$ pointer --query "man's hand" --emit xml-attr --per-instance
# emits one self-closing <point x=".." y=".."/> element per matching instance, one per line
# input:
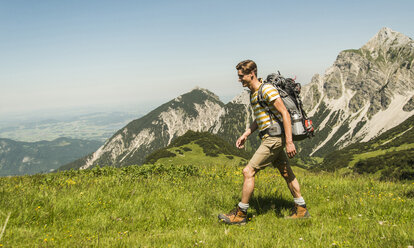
<point x="240" y="141"/>
<point x="290" y="149"/>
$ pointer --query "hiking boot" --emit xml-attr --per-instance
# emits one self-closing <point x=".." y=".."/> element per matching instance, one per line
<point x="235" y="216"/>
<point x="299" y="212"/>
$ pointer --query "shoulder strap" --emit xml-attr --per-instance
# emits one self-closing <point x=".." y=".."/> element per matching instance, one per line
<point x="266" y="107"/>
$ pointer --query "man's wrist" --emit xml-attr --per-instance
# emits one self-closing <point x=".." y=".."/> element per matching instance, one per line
<point x="247" y="132"/>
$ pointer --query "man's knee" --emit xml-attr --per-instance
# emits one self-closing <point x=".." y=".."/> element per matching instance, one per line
<point x="248" y="171"/>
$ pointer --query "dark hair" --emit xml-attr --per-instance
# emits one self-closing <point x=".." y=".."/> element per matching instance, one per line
<point x="247" y="66"/>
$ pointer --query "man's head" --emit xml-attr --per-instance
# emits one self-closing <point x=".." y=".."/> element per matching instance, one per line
<point x="247" y="72"/>
<point x="247" y="67"/>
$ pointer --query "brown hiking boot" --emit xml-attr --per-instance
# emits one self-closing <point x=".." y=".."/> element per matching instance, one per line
<point x="236" y="216"/>
<point x="299" y="212"/>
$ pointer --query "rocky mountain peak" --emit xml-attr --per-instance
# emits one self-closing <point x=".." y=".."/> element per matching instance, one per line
<point x="242" y="98"/>
<point x="364" y="93"/>
<point x="196" y="110"/>
<point x="387" y="38"/>
<point x="206" y="92"/>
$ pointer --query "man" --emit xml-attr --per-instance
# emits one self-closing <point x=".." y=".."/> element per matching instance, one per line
<point x="271" y="151"/>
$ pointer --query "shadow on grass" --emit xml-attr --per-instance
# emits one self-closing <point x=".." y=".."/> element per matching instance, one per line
<point x="277" y="204"/>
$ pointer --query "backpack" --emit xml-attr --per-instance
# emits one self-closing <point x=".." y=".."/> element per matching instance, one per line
<point x="289" y="91"/>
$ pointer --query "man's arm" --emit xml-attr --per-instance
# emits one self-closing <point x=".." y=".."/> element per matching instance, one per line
<point x="287" y="125"/>
<point x="240" y="141"/>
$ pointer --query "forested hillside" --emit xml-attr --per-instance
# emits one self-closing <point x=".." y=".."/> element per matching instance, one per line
<point x="391" y="154"/>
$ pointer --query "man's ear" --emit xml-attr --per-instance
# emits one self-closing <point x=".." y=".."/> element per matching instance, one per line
<point x="252" y="75"/>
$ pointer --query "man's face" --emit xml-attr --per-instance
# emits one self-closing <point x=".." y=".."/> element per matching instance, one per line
<point x="245" y="79"/>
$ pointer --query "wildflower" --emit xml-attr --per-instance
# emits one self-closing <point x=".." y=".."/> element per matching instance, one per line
<point x="300" y="238"/>
<point x="70" y="182"/>
<point x="381" y="222"/>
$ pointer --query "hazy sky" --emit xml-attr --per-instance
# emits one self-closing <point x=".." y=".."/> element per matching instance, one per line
<point x="63" y="54"/>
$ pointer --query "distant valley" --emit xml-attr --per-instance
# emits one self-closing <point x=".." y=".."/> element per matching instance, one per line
<point x="25" y="158"/>
<point x="41" y="145"/>
<point x="96" y="126"/>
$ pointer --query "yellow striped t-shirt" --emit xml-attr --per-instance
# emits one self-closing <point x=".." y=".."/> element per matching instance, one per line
<point x="270" y="94"/>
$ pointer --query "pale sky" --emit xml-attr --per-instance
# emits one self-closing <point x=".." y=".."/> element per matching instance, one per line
<point x="64" y="54"/>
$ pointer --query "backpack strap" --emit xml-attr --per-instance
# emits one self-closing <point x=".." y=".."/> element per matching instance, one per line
<point x="263" y="103"/>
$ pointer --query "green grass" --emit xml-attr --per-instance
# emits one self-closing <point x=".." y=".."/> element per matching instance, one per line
<point x="376" y="153"/>
<point x="196" y="157"/>
<point x="177" y="206"/>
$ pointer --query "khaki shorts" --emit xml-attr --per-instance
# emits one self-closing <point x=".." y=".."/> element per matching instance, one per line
<point x="270" y="152"/>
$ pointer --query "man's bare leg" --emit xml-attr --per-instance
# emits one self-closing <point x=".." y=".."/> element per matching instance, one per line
<point x="300" y="210"/>
<point x="291" y="180"/>
<point x="239" y="214"/>
<point x="248" y="185"/>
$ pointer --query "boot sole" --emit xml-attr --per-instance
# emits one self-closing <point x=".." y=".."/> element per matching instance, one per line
<point x="226" y="220"/>
<point x="304" y="217"/>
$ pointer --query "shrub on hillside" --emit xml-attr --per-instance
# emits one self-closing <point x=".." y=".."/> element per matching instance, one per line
<point x="163" y="153"/>
<point x="187" y="149"/>
<point x="209" y="148"/>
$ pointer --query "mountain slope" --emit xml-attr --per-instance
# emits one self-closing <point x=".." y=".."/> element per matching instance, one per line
<point x="192" y="111"/>
<point x="19" y="158"/>
<point x="366" y="92"/>
<point x="212" y="146"/>
<point x="235" y="118"/>
<point x="391" y="154"/>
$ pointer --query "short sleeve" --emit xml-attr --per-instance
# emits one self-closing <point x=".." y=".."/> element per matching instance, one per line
<point x="270" y="93"/>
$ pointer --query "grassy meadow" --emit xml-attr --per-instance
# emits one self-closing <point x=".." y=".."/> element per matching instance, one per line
<point x="175" y="203"/>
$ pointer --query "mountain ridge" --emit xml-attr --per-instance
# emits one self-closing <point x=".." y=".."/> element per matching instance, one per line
<point x="364" y="93"/>
<point x="190" y="111"/>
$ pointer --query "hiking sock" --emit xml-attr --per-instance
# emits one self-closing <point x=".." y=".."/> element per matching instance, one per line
<point x="243" y="206"/>
<point x="300" y="201"/>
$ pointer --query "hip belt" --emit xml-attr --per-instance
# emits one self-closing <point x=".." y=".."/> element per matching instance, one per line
<point x="269" y="132"/>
